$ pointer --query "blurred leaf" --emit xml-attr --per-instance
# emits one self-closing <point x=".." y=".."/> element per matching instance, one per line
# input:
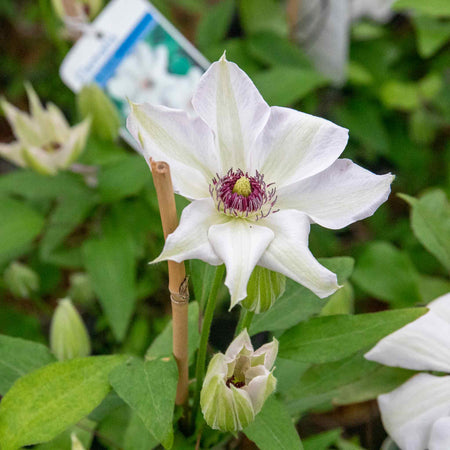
<point x="400" y="95"/>
<point x="18" y="357"/>
<point x="330" y="338"/>
<point x="262" y="15"/>
<point x="111" y="266"/>
<point x="67" y="215"/>
<point x="111" y="428"/>
<point x="162" y="345"/>
<point x="388" y="274"/>
<point x="19" y="324"/>
<point x="350" y="380"/>
<point x="19" y="226"/>
<point x="362" y="31"/>
<point x="430" y="7"/>
<point x="432" y="287"/>
<point x="149" y="387"/>
<point x="341" y="302"/>
<point x="274" y="50"/>
<point x="299" y="303"/>
<point x="137" y="437"/>
<point x="32" y="185"/>
<point x="430" y="86"/>
<point x="432" y="34"/>
<point x="288" y="373"/>
<point x="123" y="178"/>
<point x="284" y="86"/>
<point x="273" y="428"/>
<point x="321" y="441"/>
<point x="430" y="222"/>
<point x="214" y="23"/>
<point x="358" y="74"/>
<point x="202" y="276"/>
<point x="48" y="400"/>
<point x="99" y="152"/>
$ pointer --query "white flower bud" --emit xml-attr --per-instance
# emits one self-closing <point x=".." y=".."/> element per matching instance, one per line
<point x="237" y="384"/>
<point x="81" y="290"/>
<point x="79" y="9"/>
<point x="45" y="141"/>
<point x="21" y="280"/>
<point x="68" y="335"/>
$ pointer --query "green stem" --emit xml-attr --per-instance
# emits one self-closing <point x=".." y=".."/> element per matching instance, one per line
<point x="244" y="320"/>
<point x="201" y="355"/>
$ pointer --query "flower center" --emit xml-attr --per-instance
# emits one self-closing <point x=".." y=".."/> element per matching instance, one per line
<point x="52" y="146"/>
<point x="243" y="187"/>
<point x="240" y="195"/>
<point x="235" y="382"/>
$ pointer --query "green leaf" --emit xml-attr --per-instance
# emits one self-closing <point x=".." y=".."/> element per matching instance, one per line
<point x="111" y="266"/>
<point x="430" y="7"/>
<point x="18" y="357"/>
<point x="400" y="95"/>
<point x="274" y="50"/>
<point x="299" y="303"/>
<point x="45" y="402"/>
<point x="68" y="214"/>
<point x="387" y="274"/>
<point x="162" y="345"/>
<point x="285" y="86"/>
<point x="123" y="178"/>
<point x="19" y="226"/>
<point x="432" y="34"/>
<point x="350" y="380"/>
<point x="262" y="15"/>
<point x="137" y="437"/>
<point x="149" y="387"/>
<point x="331" y="338"/>
<point x="322" y="441"/>
<point x="341" y="302"/>
<point x="214" y="24"/>
<point x="273" y="428"/>
<point x="430" y="222"/>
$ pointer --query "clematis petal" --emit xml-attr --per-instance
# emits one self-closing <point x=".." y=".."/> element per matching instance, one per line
<point x="228" y="101"/>
<point x="270" y="351"/>
<point x="185" y="143"/>
<point x="294" y="145"/>
<point x="441" y="307"/>
<point x="13" y="152"/>
<point x="288" y="253"/>
<point x="259" y="388"/>
<point x="409" y="412"/>
<point x="239" y="244"/>
<point x="421" y="345"/>
<point x="337" y="196"/>
<point x="440" y="435"/>
<point x="39" y="160"/>
<point x="190" y="239"/>
<point x="241" y="341"/>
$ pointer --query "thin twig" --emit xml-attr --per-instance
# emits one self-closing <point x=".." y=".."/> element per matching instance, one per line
<point x="178" y="285"/>
<point x="292" y="10"/>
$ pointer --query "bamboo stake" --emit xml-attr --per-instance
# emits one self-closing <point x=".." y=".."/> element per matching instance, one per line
<point x="292" y="10"/>
<point x="178" y="286"/>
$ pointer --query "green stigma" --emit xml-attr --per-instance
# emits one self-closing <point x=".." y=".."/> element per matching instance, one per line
<point x="243" y="187"/>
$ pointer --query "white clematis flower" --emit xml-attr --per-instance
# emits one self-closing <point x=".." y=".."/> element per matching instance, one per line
<point x="143" y="77"/>
<point x="258" y="177"/>
<point x="417" y="414"/>
<point x="238" y="383"/>
<point x="45" y="141"/>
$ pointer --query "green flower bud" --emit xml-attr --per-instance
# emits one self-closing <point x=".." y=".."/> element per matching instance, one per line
<point x="93" y="102"/>
<point x="81" y="290"/>
<point x="263" y="289"/>
<point x="45" y="141"/>
<point x="21" y="280"/>
<point x="68" y="335"/>
<point x="237" y="384"/>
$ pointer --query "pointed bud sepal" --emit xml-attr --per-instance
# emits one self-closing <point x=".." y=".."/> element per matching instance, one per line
<point x="68" y="335"/>
<point x="237" y="384"/>
<point x="20" y="280"/>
